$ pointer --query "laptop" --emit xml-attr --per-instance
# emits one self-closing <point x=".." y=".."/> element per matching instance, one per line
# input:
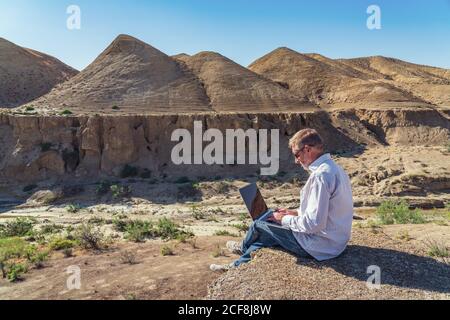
<point x="255" y="203"/>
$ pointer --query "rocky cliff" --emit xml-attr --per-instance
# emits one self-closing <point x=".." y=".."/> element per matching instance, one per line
<point x="36" y="148"/>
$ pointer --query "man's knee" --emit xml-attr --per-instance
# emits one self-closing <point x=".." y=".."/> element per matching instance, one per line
<point x="260" y="225"/>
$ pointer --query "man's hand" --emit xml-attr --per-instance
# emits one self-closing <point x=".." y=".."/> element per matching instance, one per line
<point x="280" y="214"/>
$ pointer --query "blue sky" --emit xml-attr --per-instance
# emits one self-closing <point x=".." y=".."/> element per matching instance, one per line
<point x="244" y="30"/>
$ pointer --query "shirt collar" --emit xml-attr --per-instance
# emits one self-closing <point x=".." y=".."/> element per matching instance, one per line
<point x="316" y="164"/>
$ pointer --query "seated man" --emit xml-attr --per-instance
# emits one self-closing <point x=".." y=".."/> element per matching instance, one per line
<point x="321" y="227"/>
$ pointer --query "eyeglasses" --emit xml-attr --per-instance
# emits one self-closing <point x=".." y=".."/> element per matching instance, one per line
<point x="297" y="154"/>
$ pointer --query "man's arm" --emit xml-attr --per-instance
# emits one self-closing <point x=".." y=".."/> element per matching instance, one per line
<point x="315" y="217"/>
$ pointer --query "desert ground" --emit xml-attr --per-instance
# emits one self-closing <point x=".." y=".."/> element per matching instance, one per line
<point x="131" y="264"/>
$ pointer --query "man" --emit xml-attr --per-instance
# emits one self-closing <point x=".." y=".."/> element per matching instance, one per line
<point x="321" y="227"/>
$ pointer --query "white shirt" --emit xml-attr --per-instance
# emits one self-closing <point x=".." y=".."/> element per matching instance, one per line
<point x="324" y="223"/>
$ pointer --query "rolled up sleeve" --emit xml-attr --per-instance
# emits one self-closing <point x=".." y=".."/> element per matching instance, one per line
<point x="314" y="219"/>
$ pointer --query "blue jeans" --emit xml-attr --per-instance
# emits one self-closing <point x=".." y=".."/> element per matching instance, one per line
<point x="263" y="234"/>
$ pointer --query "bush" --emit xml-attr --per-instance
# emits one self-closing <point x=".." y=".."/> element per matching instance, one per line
<point x="73" y="208"/>
<point x="60" y="243"/>
<point x="66" y="112"/>
<point x="139" y="231"/>
<point x="168" y="230"/>
<point x="51" y="228"/>
<point x="29" y="108"/>
<point x="14" y="272"/>
<point x="128" y="257"/>
<point x="90" y="238"/>
<point x="17" y="228"/>
<point x="120" y="191"/>
<point x="167" y="251"/>
<point x="437" y="249"/>
<point x="398" y="212"/>
<point x="36" y="257"/>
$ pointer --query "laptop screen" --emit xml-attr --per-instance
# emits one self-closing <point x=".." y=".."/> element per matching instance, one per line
<point x="253" y="200"/>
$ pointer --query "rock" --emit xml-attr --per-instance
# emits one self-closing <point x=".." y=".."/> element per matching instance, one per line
<point x="44" y="197"/>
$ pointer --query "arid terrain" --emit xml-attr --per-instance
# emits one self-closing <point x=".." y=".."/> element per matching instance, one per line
<point x="87" y="179"/>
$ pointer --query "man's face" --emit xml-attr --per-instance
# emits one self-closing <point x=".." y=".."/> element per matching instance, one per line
<point x="305" y="155"/>
<point x="300" y="155"/>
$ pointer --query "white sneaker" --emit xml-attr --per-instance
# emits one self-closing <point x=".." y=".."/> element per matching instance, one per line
<point x="235" y="247"/>
<point x="221" y="267"/>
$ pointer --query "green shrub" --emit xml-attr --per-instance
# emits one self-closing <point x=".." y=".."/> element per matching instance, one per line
<point x="115" y="108"/>
<point x="66" y="112"/>
<point x="166" y="251"/>
<point x="139" y="231"/>
<point x="73" y="208"/>
<point x="29" y="108"/>
<point x="51" y="228"/>
<point x="398" y="212"/>
<point x="17" y="228"/>
<point x="36" y="257"/>
<point x="225" y="233"/>
<point x="60" y="243"/>
<point x="14" y="272"/>
<point x="12" y="248"/>
<point x="168" y="229"/>
<point x="120" y="191"/>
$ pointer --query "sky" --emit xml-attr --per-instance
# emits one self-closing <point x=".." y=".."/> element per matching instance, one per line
<point x="243" y="30"/>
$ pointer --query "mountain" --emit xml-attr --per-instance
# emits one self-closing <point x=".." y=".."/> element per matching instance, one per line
<point x="231" y="87"/>
<point x="26" y="74"/>
<point x="130" y="76"/>
<point x="329" y="82"/>
<point x="429" y="83"/>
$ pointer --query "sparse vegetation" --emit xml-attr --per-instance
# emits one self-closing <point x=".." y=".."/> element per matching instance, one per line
<point x="138" y="231"/>
<point x="197" y="214"/>
<point x="437" y="249"/>
<point x="60" y="243"/>
<point x="398" y="212"/>
<point x="15" y="272"/>
<point x="167" y="250"/>
<point x="66" y="112"/>
<point x="225" y="233"/>
<point x="29" y="108"/>
<point x="20" y="227"/>
<point x="115" y="108"/>
<point x="218" y="252"/>
<point x="119" y="191"/>
<point x="128" y="257"/>
<point x="404" y="235"/>
<point x="73" y="208"/>
<point x="242" y="227"/>
<point x="90" y="238"/>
